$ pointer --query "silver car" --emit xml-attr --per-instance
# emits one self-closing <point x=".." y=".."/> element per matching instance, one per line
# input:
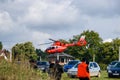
<point x="93" y="68"/>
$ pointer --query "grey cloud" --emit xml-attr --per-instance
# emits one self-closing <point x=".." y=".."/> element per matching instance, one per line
<point x="6" y="1"/>
<point x="103" y="8"/>
<point x="117" y="30"/>
<point x="59" y="18"/>
<point x="16" y="8"/>
<point x="48" y="28"/>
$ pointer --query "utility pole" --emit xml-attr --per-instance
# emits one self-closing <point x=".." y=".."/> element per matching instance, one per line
<point x="57" y="56"/>
<point x="119" y="53"/>
<point x="10" y="57"/>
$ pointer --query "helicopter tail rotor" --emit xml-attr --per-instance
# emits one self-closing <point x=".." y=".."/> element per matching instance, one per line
<point x="82" y="41"/>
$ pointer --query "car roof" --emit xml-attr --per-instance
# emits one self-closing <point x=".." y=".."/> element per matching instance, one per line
<point x="42" y="62"/>
<point x="80" y="62"/>
<point x="74" y="61"/>
<point x="114" y="62"/>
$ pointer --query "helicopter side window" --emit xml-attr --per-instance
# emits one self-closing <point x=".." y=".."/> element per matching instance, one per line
<point x="52" y="47"/>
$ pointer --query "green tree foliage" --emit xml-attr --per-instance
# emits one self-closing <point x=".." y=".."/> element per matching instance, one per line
<point x="24" y="51"/>
<point x="108" y="51"/>
<point x="41" y="55"/>
<point x="105" y="52"/>
<point x="116" y="44"/>
<point x="95" y="50"/>
<point x="93" y="42"/>
<point x="1" y="45"/>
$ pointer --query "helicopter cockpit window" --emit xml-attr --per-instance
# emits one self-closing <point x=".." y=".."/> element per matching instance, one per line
<point x="48" y="48"/>
<point x="52" y="47"/>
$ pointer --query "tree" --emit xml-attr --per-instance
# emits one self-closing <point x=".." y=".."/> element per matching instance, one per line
<point x="1" y="46"/>
<point x="29" y="50"/>
<point x="16" y="52"/>
<point x="116" y="45"/>
<point x="24" y="51"/>
<point x="108" y="51"/>
<point x="41" y="55"/>
<point x="93" y="42"/>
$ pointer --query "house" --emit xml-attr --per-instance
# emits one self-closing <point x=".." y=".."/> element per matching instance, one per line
<point x="3" y="55"/>
<point x="62" y="57"/>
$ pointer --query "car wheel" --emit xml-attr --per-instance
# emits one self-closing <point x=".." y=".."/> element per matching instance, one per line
<point x="44" y="71"/>
<point x="109" y="75"/>
<point x="98" y="74"/>
<point x="70" y="76"/>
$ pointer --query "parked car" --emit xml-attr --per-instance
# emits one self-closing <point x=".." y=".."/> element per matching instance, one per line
<point x="114" y="71"/>
<point x="70" y="64"/>
<point x="93" y="68"/>
<point x="111" y="65"/>
<point x="43" y="65"/>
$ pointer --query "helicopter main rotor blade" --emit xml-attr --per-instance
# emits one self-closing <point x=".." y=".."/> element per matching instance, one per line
<point x="52" y="39"/>
<point x="46" y="43"/>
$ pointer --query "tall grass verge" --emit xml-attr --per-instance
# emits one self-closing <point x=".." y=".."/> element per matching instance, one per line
<point x="21" y="71"/>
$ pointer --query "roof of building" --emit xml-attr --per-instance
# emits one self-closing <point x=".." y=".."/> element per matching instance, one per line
<point x="60" y="54"/>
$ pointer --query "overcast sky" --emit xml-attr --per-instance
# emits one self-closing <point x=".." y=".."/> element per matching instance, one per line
<point x="39" y="20"/>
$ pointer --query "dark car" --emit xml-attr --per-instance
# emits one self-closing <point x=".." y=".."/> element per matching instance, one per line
<point x="111" y="65"/>
<point x="43" y="65"/>
<point x="70" y="64"/>
<point x="114" y="71"/>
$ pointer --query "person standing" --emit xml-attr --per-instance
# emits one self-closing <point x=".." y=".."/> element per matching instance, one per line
<point x="58" y="70"/>
<point x="83" y="70"/>
<point x="51" y="70"/>
<point x="87" y="62"/>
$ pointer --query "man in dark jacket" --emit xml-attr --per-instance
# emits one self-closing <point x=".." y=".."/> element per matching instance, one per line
<point x="58" y="70"/>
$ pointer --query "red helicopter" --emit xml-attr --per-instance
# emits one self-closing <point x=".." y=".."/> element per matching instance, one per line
<point x="59" y="47"/>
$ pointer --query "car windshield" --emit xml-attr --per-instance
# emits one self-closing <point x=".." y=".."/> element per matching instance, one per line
<point x="76" y="65"/>
<point x="72" y="62"/>
<point x="95" y="65"/>
<point x="113" y="63"/>
<point x="117" y="65"/>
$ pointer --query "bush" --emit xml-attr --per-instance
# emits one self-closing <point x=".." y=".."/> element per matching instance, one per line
<point x="103" y="66"/>
<point x="15" y="71"/>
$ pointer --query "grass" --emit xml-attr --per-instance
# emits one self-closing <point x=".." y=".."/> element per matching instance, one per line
<point x="13" y="71"/>
<point x="103" y="77"/>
